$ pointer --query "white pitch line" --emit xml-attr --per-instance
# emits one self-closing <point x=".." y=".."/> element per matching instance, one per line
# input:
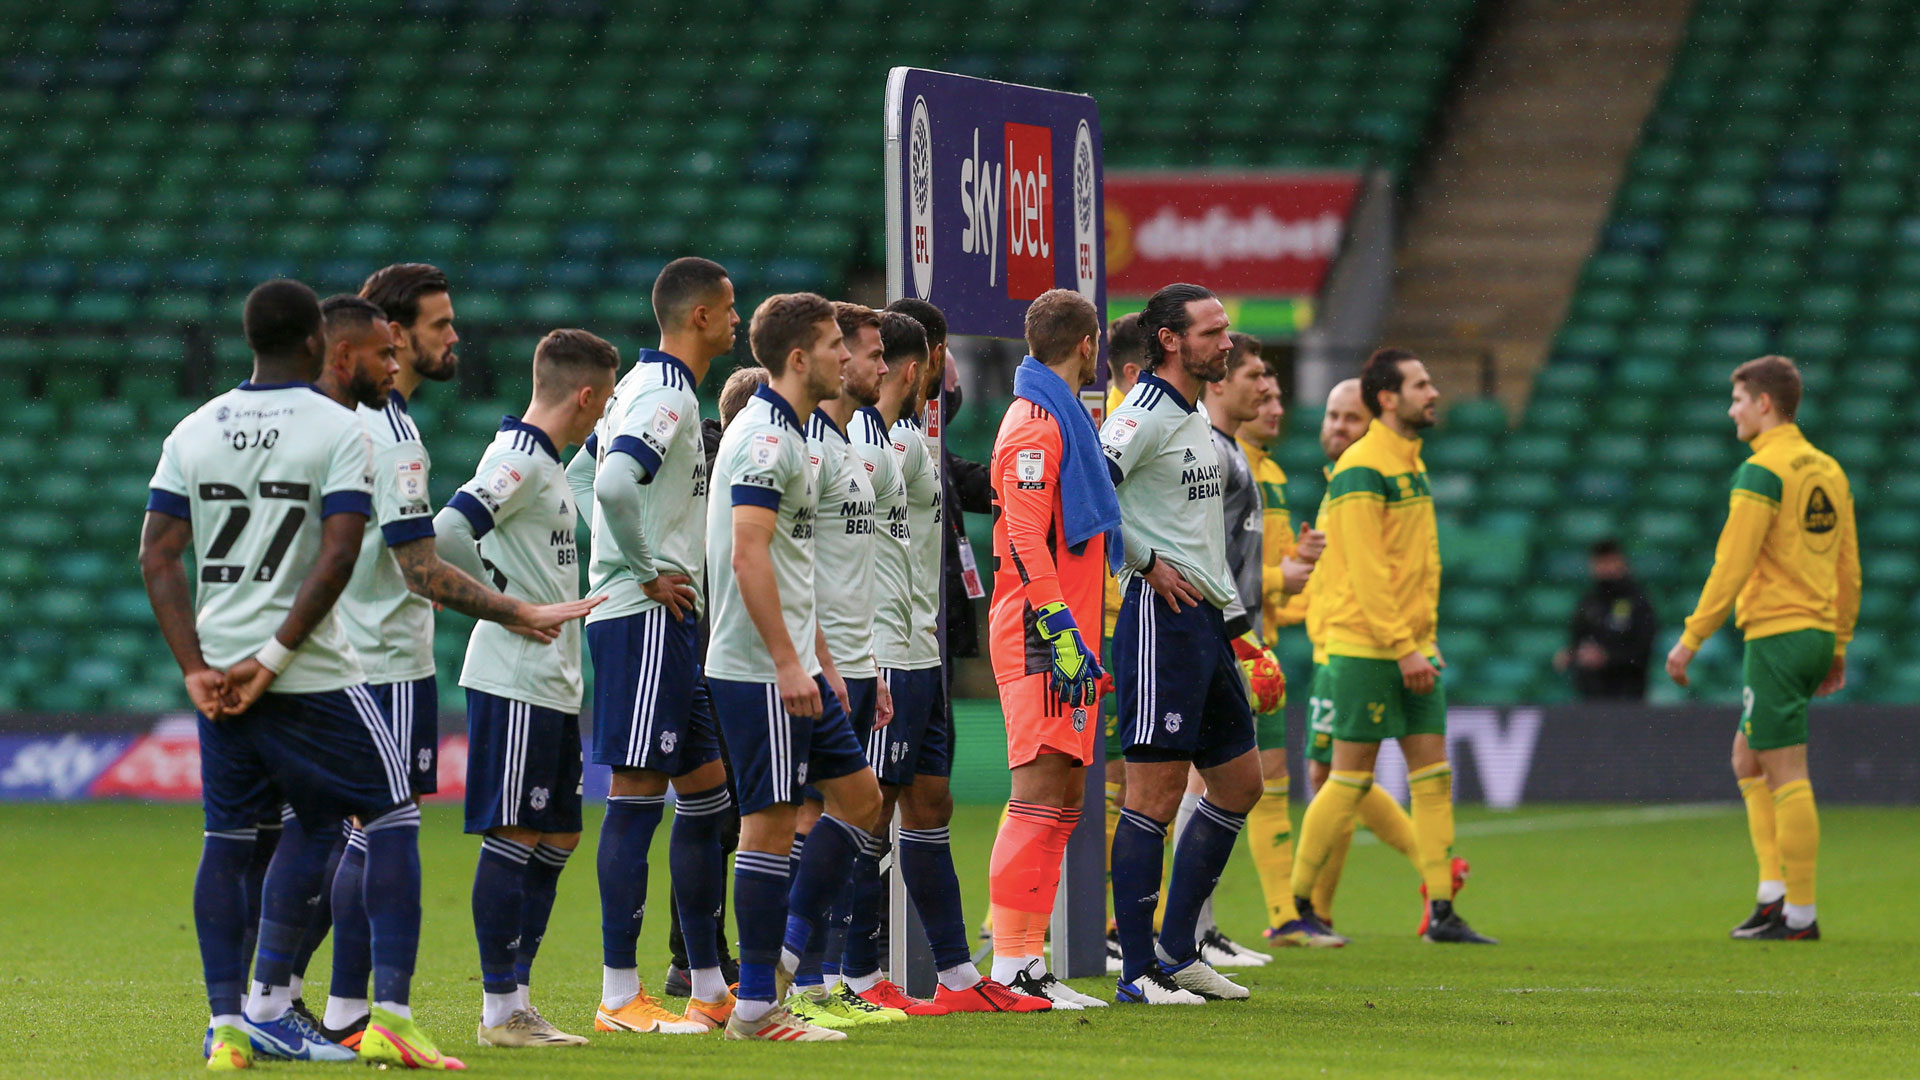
<point x="1635" y="990"/>
<point x="1596" y="819"/>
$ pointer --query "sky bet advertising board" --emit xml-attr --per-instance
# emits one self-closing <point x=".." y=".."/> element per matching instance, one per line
<point x="993" y="197"/>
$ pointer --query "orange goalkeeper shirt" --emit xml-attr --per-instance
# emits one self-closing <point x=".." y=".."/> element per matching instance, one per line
<point x="1032" y="566"/>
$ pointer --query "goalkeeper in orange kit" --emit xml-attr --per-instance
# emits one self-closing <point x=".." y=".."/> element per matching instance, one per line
<point x="1056" y="524"/>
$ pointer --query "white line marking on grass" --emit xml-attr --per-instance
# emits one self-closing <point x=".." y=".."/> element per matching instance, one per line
<point x="1586" y="819"/>
<point x="1636" y="990"/>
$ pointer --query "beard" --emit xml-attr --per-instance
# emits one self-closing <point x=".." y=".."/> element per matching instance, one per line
<point x="1208" y="366"/>
<point x="367" y="390"/>
<point x="1417" y="419"/>
<point x="863" y="396"/>
<point x="821" y="386"/>
<point x="437" y="369"/>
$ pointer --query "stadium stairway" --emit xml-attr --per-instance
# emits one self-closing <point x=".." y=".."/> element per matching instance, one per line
<point x="1546" y="117"/>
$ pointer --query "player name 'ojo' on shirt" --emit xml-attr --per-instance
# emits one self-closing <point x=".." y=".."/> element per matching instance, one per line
<point x="762" y="461"/>
<point x="390" y="626"/>
<point x="654" y="416"/>
<point x="1168" y="478"/>
<point x="256" y="470"/>
<point x="524" y="517"/>
<point x="892" y="601"/>
<point x="844" y="544"/>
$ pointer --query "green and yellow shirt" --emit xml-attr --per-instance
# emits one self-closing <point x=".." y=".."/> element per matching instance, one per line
<point x="1788" y="558"/>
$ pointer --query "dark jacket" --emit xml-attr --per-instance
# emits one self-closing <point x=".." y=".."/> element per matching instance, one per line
<point x="1616" y="616"/>
<point x="965" y="488"/>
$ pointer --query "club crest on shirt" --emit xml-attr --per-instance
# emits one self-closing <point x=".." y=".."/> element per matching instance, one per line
<point x="763" y="447"/>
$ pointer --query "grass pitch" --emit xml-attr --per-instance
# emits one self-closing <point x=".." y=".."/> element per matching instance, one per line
<point x="1615" y="963"/>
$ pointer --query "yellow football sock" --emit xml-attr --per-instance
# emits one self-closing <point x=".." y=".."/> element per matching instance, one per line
<point x="1270" y="837"/>
<point x="1381" y="813"/>
<point x="1797" y="826"/>
<point x="1432" y="789"/>
<point x="1327" y="881"/>
<point x="1766" y="847"/>
<point x="1328" y="816"/>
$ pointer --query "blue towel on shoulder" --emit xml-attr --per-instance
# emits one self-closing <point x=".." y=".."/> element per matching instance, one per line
<point x="1087" y="500"/>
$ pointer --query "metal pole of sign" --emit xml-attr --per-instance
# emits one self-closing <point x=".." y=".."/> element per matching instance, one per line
<point x="1080" y="911"/>
<point x="935" y="174"/>
<point x="910" y="958"/>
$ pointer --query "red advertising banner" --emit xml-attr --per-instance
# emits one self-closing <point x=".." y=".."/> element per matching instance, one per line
<point x="1241" y="234"/>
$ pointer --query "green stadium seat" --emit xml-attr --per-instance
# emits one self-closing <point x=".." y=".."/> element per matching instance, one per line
<point x="1613" y="450"/>
<point x="1582" y="525"/>
<point x="1537" y="452"/>
<point x="1483" y="416"/>
<point x="1559" y="415"/>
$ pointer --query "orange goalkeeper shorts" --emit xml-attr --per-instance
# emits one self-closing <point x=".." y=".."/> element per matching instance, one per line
<point x="1038" y="723"/>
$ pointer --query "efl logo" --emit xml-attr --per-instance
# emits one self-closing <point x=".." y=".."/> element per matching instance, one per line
<point x="1029" y="211"/>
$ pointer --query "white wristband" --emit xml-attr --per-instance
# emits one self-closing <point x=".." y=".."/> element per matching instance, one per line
<point x="274" y="656"/>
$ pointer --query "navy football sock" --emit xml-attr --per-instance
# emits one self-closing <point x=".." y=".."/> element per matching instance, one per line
<point x="320" y="918"/>
<point x="295" y="880"/>
<point x="699" y="866"/>
<point x="621" y="861"/>
<point x="1139" y="846"/>
<point x="220" y="916"/>
<point x="352" y="934"/>
<point x="1199" y="855"/>
<point x="391" y="894"/>
<point x="499" y="892"/>
<point x="860" y="956"/>
<point x="266" y="842"/>
<point x="543" y="884"/>
<point x="760" y="907"/>
<point x="824" y="865"/>
<point x="926" y="865"/>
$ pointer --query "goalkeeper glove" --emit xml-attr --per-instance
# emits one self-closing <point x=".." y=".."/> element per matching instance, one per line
<point x="1266" y="684"/>
<point x="1076" y="673"/>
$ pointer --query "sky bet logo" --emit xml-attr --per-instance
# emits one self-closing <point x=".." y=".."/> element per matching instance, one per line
<point x="1026" y="241"/>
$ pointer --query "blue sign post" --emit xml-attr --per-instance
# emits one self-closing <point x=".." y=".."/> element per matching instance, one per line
<point x="993" y="195"/>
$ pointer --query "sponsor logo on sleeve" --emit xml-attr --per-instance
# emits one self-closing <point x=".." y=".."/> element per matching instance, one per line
<point x="410" y="478"/>
<point x="763" y="447"/>
<point x="1030" y="470"/>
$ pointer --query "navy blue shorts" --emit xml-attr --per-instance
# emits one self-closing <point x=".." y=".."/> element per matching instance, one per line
<point x="650" y="704"/>
<point x="413" y="715"/>
<point x="919" y="741"/>
<point x="328" y="755"/>
<point x="523" y="766"/>
<point x="774" y="754"/>
<point x="1182" y="697"/>
<point x="863" y="694"/>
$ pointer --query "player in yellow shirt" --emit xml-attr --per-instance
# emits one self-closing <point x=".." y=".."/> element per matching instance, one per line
<point x="1382" y="602"/>
<point x="1789" y="561"/>
<point x="1345" y="420"/>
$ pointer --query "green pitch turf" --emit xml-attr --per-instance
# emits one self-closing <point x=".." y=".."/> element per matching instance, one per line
<point x="1615" y="963"/>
